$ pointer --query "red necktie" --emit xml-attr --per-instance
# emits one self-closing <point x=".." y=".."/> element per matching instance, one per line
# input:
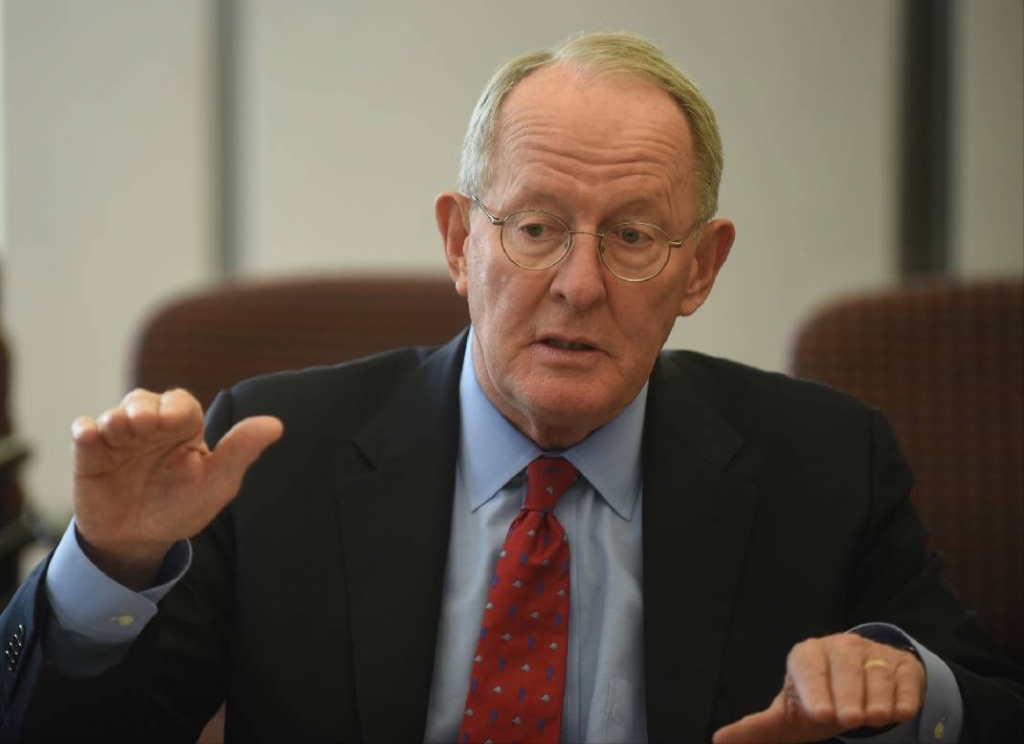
<point x="518" y="676"/>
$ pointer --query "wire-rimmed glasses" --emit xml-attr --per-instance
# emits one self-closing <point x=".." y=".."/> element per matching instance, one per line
<point x="536" y="240"/>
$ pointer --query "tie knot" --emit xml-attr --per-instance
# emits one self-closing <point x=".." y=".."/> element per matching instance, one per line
<point x="547" y="478"/>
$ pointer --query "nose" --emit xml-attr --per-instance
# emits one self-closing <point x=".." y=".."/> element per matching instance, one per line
<point x="579" y="277"/>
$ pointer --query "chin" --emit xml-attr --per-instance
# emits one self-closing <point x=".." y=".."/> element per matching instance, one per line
<point x="568" y="411"/>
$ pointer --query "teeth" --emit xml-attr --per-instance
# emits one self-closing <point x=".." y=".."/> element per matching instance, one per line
<point x="567" y="346"/>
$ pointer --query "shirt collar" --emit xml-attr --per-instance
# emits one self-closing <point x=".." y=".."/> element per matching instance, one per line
<point x="492" y="451"/>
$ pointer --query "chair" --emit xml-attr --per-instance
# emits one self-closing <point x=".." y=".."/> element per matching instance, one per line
<point x="945" y="363"/>
<point x="15" y="534"/>
<point x="213" y="338"/>
<point x="209" y="340"/>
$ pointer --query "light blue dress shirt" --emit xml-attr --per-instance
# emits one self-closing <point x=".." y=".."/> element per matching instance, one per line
<point x="604" y="693"/>
<point x="96" y="618"/>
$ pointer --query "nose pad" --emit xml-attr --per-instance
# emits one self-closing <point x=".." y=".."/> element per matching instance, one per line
<point x="599" y="239"/>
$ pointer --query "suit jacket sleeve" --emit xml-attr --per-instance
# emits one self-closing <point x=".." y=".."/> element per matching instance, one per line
<point x="894" y="583"/>
<point x="166" y="686"/>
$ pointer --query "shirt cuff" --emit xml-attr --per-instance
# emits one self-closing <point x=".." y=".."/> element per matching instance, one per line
<point x="88" y="602"/>
<point x="941" y="716"/>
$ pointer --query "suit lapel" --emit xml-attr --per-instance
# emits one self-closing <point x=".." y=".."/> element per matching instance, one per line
<point x="395" y="523"/>
<point x="696" y="520"/>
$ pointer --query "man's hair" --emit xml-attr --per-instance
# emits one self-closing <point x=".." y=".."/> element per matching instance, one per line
<point x="602" y="53"/>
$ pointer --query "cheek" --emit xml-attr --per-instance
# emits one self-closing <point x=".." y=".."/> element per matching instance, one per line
<point x="647" y="322"/>
<point x="476" y="270"/>
<point x="495" y="286"/>
<point x="487" y="288"/>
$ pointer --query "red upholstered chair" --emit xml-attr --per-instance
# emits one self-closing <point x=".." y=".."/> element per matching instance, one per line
<point x="945" y="363"/>
<point x="216" y="337"/>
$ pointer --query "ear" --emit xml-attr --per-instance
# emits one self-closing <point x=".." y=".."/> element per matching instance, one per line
<point x="716" y="238"/>
<point x="451" y="209"/>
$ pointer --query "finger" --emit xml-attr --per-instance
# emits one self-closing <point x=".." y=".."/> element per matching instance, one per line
<point x="910" y="685"/>
<point x="808" y="670"/>
<point x="84" y="432"/>
<point x="880" y="691"/>
<point x="239" y="449"/>
<point x="86" y="436"/>
<point x="114" y="429"/>
<point x="91" y="454"/>
<point x="846" y="654"/>
<point x="160" y="419"/>
<point x="180" y="414"/>
<point x="141" y="408"/>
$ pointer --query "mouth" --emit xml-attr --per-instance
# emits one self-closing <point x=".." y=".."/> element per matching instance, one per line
<point x="557" y="343"/>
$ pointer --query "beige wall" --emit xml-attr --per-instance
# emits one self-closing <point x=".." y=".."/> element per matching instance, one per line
<point x="352" y="122"/>
<point x="109" y="202"/>
<point x="988" y="126"/>
<point x="350" y="118"/>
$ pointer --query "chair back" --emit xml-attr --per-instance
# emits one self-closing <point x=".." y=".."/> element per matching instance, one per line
<point x="945" y="363"/>
<point x="218" y="336"/>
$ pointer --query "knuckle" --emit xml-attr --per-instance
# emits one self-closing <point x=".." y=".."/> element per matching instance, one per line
<point x="135" y="394"/>
<point x="178" y="397"/>
<point x="105" y="419"/>
<point x="80" y="426"/>
<point x="847" y="642"/>
<point x="905" y="657"/>
<point x="804" y="655"/>
<point x="808" y="645"/>
<point x="909" y="671"/>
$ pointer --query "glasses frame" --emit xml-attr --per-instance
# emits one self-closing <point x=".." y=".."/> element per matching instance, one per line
<point x="500" y="222"/>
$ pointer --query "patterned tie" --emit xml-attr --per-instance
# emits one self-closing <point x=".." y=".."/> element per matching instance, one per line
<point x="518" y="676"/>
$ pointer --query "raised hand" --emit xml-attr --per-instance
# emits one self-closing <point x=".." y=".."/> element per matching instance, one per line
<point x="835" y="684"/>
<point x="144" y="478"/>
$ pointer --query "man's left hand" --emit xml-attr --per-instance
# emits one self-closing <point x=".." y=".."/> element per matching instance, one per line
<point x="835" y="684"/>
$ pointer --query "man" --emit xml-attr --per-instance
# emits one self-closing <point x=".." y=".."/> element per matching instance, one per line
<point x="726" y="531"/>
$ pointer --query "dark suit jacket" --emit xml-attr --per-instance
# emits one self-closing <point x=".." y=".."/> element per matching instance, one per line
<point x="774" y="510"/>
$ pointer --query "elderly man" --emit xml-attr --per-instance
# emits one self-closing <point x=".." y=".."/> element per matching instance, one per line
<point x="547" y="530"/>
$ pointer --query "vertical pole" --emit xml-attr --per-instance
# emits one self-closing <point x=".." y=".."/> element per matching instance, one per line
<point x="225" y="140"/>
<point x="925" y="222"/>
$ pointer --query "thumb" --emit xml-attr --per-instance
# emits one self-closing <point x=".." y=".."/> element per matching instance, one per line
<point x="242" y="445"/>
<point x="756" y="727"/>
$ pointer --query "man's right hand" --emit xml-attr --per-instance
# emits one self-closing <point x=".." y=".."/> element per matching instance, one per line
<point x="144" y="479"/>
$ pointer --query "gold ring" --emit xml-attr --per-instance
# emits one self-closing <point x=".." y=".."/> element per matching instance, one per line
<point x="876" y="663"/>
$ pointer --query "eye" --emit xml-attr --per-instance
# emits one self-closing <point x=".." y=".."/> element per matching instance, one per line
<point x="633" y="235"/>
<point x="531" y="226"/>
<point x="630" y="235"/>
<point x="534" y="230"/>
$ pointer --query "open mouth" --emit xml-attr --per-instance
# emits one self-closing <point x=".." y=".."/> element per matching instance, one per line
<point x="567" y="345"/>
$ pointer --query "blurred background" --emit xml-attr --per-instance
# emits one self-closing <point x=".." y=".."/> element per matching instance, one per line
<point x="151" y="147"/>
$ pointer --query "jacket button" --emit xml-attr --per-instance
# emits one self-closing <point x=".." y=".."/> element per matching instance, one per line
<point x="15" y="645"/>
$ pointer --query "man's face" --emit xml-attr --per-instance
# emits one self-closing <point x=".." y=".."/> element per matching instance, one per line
<point x="560" y="352"/>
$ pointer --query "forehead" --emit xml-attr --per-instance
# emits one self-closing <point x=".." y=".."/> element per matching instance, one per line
<point x="585" y="134"/>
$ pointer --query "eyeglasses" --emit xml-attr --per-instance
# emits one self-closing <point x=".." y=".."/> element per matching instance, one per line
<point x="633" y="251"/>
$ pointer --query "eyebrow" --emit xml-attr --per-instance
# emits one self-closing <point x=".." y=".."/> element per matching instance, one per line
<point x="638" y="208"/>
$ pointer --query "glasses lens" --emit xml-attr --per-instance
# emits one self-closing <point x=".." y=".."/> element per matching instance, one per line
<point x="635" y="250"/>
<point x="534" y="240"/>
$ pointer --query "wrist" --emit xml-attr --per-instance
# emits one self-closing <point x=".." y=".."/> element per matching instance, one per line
<point x="132" y="565"/>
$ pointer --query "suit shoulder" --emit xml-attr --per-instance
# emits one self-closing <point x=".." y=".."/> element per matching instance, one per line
<point x="738" y="387"/>
<point x="318" y="396"/>
<point x="785" y="419"/>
